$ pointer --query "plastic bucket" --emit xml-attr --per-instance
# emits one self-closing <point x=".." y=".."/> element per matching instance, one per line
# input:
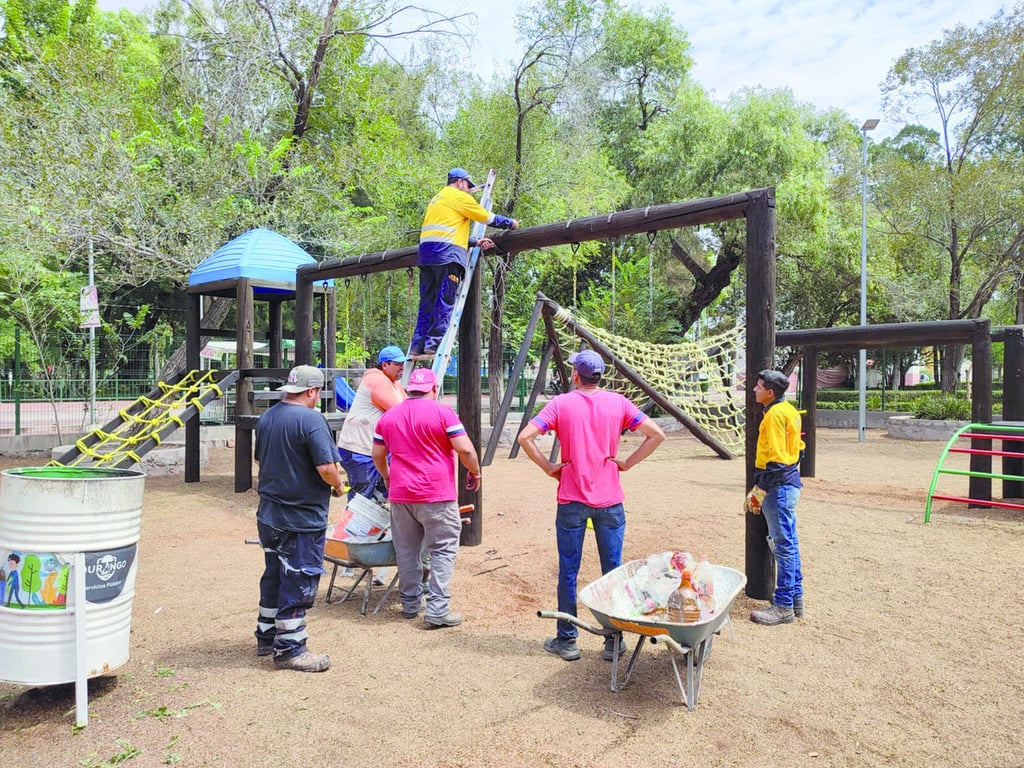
<point x="48" y="517"/>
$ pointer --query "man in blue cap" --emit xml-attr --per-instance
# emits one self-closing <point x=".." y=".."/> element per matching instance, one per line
<point x="443" y="256"/>
<point x="379" y="389"/>
<point x="589" y="421"/>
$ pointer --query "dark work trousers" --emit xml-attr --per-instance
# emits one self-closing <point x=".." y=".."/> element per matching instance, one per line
<point x="439" y="287"/>
<point x="294" y="562"/>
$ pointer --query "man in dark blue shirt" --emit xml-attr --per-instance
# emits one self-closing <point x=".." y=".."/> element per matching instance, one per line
<point x="298" y="474"/>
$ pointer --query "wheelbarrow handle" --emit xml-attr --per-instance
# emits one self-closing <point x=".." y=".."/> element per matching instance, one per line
<point x="594" y="629"/>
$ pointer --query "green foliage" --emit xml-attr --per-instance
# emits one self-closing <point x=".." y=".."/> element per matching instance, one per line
<point x="128" y="752"/>
<point x="941" y="407"/>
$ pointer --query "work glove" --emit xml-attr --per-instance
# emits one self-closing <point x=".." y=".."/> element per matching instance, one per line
<point x="752" y="502"/>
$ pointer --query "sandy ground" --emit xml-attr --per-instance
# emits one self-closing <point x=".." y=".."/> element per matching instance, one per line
<point x="911" y="652"/>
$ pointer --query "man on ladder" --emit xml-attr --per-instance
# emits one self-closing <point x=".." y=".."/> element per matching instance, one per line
<point x="444" y="256"/>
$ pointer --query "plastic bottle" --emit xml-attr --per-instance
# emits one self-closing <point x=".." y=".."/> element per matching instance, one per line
<point x="704" y="586"/>
<point x="683" y="607"/>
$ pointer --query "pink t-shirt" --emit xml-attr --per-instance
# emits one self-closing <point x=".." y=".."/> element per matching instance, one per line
<point x="417" y="432"/>
<point x="588" y="427"/>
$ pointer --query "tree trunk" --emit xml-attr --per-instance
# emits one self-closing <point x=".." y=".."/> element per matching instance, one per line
<point x="218" y="310"/>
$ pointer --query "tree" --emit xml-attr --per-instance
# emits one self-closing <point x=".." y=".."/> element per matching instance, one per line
<point x="956" y="190"/>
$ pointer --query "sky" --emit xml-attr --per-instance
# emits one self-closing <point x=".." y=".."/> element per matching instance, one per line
<point x="830" y="53"/>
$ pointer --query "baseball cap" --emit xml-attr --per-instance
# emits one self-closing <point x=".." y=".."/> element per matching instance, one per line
<point x="301" y="378"/>
<point x="588" y="363"/>
<point x="459" y="173"/>
<point x="391" y="354"/>
<point x="421" y="380"/>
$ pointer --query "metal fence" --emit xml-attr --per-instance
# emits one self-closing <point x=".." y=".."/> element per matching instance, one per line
<point x="52" y="392"/>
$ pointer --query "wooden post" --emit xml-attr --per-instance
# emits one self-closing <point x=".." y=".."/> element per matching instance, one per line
<point x="192" y="352"/>
<point x="760" y="295"/>
<point x="469" y="404"/>
<point x="538" y="388"/>
<point x="303" y="317"/>
<point x="1013" y="407"/>
<point x="244" y="301"/>
<point x="809" y="387"/>
<point x="981" y="408"/>
<point x="276" y="334"/>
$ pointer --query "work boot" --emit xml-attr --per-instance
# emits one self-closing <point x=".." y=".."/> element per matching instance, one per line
<point x="451" y="620"/>
<point x="776" y="614"/>
<point x="304" y="662"/>
<point x="264" y="647"/>
<point x="798" y="607"/>
<point x="608" y="654"/>
<point x="563" y="646"/>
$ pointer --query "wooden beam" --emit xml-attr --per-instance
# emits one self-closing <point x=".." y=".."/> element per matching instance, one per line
<point x="881" y="335"/>
<point x="653" y="218"/>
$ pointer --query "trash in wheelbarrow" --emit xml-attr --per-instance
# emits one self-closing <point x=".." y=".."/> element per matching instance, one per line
<point x="618" y="601"/>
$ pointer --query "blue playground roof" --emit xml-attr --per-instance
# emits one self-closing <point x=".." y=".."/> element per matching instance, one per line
<point x="259" y="255"/>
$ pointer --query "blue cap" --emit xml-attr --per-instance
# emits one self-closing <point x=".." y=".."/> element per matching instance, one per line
<point x="459" y="173"/>
<point x="391" y="354"/>
<point x="589" y="364"/>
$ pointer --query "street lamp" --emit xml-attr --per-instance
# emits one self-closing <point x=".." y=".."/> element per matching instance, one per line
<point x="869" y="125"/>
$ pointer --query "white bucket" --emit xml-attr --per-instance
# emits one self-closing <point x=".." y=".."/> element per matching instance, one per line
<point x="49" y="516"/>
<point x="364" y="518"/>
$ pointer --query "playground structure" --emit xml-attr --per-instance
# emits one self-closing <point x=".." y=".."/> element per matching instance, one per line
<point x="979" y="335"/>
<point x="756" y="207"/>
<point x="276" y="283"/>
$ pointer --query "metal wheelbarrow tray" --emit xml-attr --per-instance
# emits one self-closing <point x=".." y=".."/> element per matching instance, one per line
<point x="611" y="599"/>
<point x="363" y="554"/>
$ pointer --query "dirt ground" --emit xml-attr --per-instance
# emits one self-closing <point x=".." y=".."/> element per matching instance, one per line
<point x="911" y="652"/>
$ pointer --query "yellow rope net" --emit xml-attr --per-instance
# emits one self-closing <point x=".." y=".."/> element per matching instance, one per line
<point x="98" y="447"/>
<point x="698" y="378"/>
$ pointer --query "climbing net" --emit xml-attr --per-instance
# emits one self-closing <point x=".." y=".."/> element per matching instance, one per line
<point x="698" y="378"/>
<point x="146" y="420"/>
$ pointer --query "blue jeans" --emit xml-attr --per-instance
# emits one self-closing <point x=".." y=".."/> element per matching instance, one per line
<point x="293" y="563"/>
<point x="439" y="288"/>
<point x="363" y="477"/>
<point x="570" y="529"/>
<point x="779" y="508"/>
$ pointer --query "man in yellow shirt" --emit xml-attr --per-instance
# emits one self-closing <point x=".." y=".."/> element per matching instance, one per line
<point x="777" y="480"/>
<point x="443" y="256"/>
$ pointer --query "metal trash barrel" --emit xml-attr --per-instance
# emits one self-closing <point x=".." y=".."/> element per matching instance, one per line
<point x="49" y="517"/>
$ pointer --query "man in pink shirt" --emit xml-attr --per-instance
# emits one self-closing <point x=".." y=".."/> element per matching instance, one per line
<point x="424" y="437"/>
<point x="589" y="421"/>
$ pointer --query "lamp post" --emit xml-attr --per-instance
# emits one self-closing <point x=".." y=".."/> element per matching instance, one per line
<point x="869" y="125"/>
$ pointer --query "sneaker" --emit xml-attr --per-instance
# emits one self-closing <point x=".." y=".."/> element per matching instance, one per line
<point x="776" y="614"/>
<point x="608" y="654"/>
<point x="305" y="662"/>
<point x="264" y="648"/>
<point x="451" y="620"/>
<point x="798" y="607"/>
<point x="563" y="646"/>
<point x="410" y="614"/>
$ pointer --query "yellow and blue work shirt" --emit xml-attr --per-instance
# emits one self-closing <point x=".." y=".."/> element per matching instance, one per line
<point x="444" y="236"/>
<point x="779" y="445"/>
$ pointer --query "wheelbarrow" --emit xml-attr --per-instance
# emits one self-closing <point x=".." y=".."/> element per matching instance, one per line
<point x="615" y="601"/>
<point x="362" y="554"/>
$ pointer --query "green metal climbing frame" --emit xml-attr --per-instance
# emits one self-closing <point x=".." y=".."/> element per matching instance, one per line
<point x="989" y="432"/>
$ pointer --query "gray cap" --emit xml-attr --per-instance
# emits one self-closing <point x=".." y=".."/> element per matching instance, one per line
<point x="301" y="378"/>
